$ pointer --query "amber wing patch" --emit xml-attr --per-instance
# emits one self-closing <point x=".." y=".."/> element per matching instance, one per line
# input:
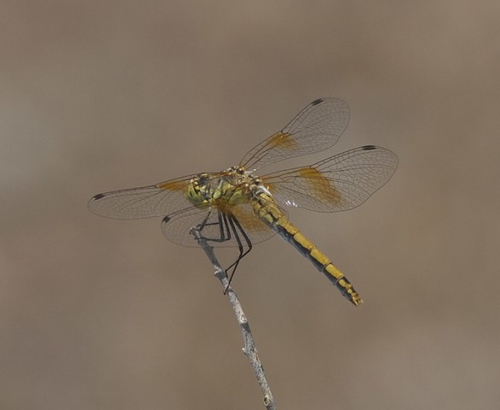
<point x="319" y="185"/>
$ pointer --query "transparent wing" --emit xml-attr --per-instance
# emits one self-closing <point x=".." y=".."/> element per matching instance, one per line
<point x="338" y="183"/>
<point x="167" y="199"/>
<point x="316" y="128"/>
<point x="177" y="226"/>
<point x="144" y="202"/>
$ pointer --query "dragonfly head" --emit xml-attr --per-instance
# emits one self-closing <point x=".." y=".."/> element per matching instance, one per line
<point x="198" y="191"/>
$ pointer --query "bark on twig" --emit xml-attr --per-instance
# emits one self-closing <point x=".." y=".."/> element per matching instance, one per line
<point x="249" y="349"/>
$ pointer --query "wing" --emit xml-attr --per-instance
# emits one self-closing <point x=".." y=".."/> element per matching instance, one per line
<point x="167" y="199"/>
<point x="316" y="128"/>
<point x="144" y="202"/>
<point x="338" y="183"/>
<point x="177" y="226"/>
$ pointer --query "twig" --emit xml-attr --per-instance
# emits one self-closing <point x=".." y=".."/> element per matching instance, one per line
<point x="250" y="350"/>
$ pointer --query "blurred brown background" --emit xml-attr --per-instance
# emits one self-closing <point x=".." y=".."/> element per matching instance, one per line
<point x="103" y="314"/>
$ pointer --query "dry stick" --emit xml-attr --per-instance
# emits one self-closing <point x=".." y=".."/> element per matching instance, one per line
<point x="250" y="350"/>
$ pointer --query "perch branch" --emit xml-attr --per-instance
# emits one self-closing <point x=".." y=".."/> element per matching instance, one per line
<point x="250" y="350"/>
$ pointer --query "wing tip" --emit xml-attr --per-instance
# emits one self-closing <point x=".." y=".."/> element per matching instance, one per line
<point x="318" y="101"/>
<point x="97" y="197"/>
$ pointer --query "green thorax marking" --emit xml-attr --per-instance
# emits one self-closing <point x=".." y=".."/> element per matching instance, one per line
<point x="222" y="190"/>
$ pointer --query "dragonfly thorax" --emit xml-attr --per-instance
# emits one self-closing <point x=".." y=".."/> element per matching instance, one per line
<point x="222" y="190"/>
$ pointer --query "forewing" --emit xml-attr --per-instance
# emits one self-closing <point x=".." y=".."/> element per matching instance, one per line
<point x="316" y="128"/>
<point x="339" y="183"/>
<point x="144" y="202"/>
<point x="176" y="227"/>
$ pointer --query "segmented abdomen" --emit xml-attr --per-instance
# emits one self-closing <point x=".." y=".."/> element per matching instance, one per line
<point x="272" y="215"/>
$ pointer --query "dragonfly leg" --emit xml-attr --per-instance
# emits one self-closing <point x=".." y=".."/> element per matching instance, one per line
<point x="229" y="228"/>
<point x="237" y="230"/>
<point x="224" y="231"/>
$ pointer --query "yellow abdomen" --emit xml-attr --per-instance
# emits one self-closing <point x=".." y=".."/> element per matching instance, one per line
<point x="272" y="215"/>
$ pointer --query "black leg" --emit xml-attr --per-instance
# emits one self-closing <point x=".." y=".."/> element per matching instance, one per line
<point x="224" y="231"/>
<point x="237" y="230"/>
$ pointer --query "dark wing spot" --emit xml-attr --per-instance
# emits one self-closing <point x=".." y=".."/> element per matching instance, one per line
<point x="98" y="196"/>
<point x="369" y="147"/>
<point x="318" y="101"/>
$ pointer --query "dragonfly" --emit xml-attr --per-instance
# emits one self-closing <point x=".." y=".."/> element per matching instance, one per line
<point x="237" y="208"/>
